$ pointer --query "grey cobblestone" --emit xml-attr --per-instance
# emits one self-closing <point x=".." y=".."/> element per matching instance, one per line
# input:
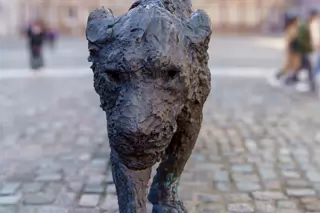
<point x="9" y="188"/>
<point x="6" y="209"/>
<point x="32" y="187"/>
<point x="239" y="197"/>
<point x="89" y="200"/>
<point x="222" y="176"/>
<point x="256" y="151"/>
<point x="248" y="187"/>
<point x="38" y="199"/>
<point x="110" y="203"/>
<point x="286" y="204"/>
<point x="265" y="207"/>
<point x="242" y="168"/>
<point x="49" y="177"/>
<point x="301" y="192"/>
<point x="95" y="188"/>
<point x="240" y="208"/>
<point x="52" y="209"/>
<point x="268" y="195"/>
<point x="209" y="198"/>
<point x="10" y="200"/>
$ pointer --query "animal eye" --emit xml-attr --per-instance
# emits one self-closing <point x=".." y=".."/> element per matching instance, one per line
<point x="172" y="73"/>
<point x="114" y="77"/>
<point x="93" y="50"/>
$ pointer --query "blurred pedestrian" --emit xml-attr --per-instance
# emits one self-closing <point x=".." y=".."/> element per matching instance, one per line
<point x="292" y="61"/>
<point x="36" y="37"/>
<point x="308" y="42"/>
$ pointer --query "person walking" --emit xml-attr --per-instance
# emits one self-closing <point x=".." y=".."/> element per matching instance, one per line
<point x="36" y="37"/>
<point x="308" y="41"/>
<point x="292" y="61"/>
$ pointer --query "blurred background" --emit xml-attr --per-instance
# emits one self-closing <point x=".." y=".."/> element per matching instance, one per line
<point x="69" y="17"/>
<point x="258" y="147"/>
<point x="255" y="24"/>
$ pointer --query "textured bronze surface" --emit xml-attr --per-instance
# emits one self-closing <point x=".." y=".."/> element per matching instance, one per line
<point x="150" y="71"/>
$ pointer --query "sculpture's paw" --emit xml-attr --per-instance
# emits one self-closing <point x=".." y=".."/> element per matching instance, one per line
<point x="169" y="208"/>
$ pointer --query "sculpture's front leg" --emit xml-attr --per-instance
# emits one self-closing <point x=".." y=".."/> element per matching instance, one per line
<point x="131" y="186"/>
<point x="164" y="190"/>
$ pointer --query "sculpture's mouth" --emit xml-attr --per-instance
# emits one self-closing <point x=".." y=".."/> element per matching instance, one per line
<point x="141" y="158"/>
<point x="138" y="151"/>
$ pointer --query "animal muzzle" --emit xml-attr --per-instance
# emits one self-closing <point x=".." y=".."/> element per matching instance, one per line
<point x="137" y="147"/>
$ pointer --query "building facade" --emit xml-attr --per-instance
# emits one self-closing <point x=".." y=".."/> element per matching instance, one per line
<point x="70" y="16"/>
<point x="9" y="21"/>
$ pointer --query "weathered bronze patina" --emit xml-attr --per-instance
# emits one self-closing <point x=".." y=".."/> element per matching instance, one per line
<point x="150" y="71"/>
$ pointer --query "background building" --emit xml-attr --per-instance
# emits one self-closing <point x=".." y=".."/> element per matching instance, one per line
<point x="70" y="16"/>
<point x="9" y="17"/>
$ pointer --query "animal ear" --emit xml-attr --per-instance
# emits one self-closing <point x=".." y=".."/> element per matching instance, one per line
<point x="99" y="25"/>
<point x="200" y="26"/>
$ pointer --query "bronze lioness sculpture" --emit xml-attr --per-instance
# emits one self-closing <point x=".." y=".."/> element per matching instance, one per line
<point x="150" y="71"/>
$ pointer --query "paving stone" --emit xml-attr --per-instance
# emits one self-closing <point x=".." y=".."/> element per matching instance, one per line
<point x="248" y="187"/>
<point x="9" y="188"/>
<point x="207" y="198"/>
<point x="32" y="187"/>
<point x="53" y="189"/>
<point x="240" y="208"/>
<point x="223" y="186"/>
<point x="27" y="209"/>
<point x="287" y="166"/>
<point x="38" y="199"/>
<point x="272" y="185"/>
<point x="52" y="209"/>
<point x="211" y="208"/>
<point x="268" y="195"/>
<point x="86" y="210"/>
<point x="265" y="207"/>
<point x="10" y="200"/>
<point x="65" y="199"/>
<point x="268" y="174"/>
<point x="290" y="174"/>
<point x="313" y="176"/>
<point x="89" y="200"/>
<point x="239" y="177"/>
<point x="297" y="183"/>
<point x="75" y="186"/>
<point x="284" y="204"/>
<point x="239" y="197"/>
<point x="94" y="188"/>
<point x="245" y="168"/>
<point x="100" y="163"/>
<point x="111" y="189"/>
<point x="222" y="176"/>
<point x="110" y="203"/>
<point x="96" y="179"/>
<point x="49" y="177"/>
<point x="8" y="209"/>
<point x="22" y="177"/>
<point x="301" y="192"/>
<point x="312" y="207"/>
<point x="110" y="178"/>
<point x="306" y="200"/>
<point x="289" y="211"/>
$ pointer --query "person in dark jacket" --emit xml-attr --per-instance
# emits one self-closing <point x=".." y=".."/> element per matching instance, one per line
<point x="36" y="37"/>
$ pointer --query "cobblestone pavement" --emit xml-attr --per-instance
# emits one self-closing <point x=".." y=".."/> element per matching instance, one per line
<point x="257" y="151"/>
